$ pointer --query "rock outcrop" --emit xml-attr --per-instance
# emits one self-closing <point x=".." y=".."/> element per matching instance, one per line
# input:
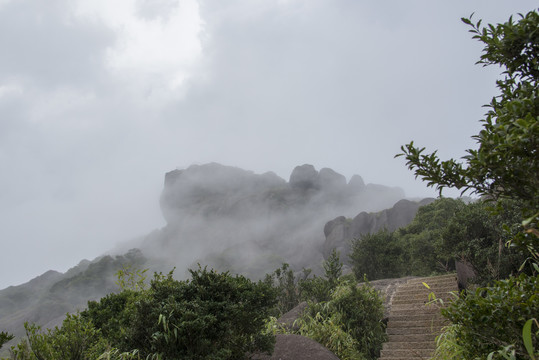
<point x="233" y="219"/>
<point x="340" y="231"/>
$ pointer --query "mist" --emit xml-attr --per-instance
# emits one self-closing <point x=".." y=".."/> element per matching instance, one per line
<point x="236" y="220"/>
<point x="99" y="100"/>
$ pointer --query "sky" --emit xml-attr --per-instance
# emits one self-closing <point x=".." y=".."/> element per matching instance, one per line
<point x="99" y="99"/>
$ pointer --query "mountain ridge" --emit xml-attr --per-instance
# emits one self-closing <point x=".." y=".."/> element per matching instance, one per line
<point x="224" y="217"/>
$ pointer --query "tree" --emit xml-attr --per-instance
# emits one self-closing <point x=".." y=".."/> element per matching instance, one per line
<point x="333" y="267"/>
<point x="377" y="256"/>
<point x="283" y="281"/>
<point x="212" y="315"/>
<point x="506" y="164"/>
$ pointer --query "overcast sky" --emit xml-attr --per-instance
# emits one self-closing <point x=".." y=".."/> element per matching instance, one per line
<point x="99" y="98"/>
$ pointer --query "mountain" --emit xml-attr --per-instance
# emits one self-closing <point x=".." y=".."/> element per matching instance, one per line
<point x="229" y="219"/>
<point x="233" y="219"/>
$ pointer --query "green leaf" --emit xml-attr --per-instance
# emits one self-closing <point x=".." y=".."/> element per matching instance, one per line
<point x="527" y="337"/>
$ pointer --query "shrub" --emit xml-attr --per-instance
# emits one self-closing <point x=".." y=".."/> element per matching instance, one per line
<point x="214" y="315"/>
<point x="353" y="310"/>
<point x="490" y="319"/>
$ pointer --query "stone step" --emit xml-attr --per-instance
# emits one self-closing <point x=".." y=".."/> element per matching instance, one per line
<point x="418" y="290"/>
<point x="414" y="323"/>
<point x="424" y="298"/>
<point x="415" y="310"/>
<point x="416" y="307"/>
<point x="410" y="345"/>
<point x="411" y="337"/>
<point x="399" y="324"/>
<point x="426" y="292"/>
<point x="431" y="285"/>
<point x="403" y="353"/>
<point x="425" y="330"/>
<point x="433" y="278"/>
<point x="422" y="316"/>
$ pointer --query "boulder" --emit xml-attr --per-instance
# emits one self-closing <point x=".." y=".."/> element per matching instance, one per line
<point x="330" y="180"/>
<point x="304" y="177"/>
<point x="290" y="317"/>
<point x="356" y="184"/>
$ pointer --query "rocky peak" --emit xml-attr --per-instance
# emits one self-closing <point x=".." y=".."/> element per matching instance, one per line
<point x="304" y="177"/>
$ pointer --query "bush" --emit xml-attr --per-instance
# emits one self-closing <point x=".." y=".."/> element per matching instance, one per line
<point x="377" y="256"/>
<point x="350" y="323"/>
<point x="212" y="316"/>
<point x="76" y="339"/>
<point x="284" y="283"/>
<point x="492" y="318"/>
<point x="5" y="337"/>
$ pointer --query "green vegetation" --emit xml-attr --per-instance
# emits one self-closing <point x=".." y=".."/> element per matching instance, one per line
<point x="493" y="317"/>
<point x="441" y="232"/>
<point x="354" y="310"/>
<point x="344" y="316"/>
<point x="499" y="321"/>
<point x="213" y="315"/>
<point x="4" y="338"/>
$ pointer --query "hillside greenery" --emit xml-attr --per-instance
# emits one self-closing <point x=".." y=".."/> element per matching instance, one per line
<point x="211" y="316"/>
<point x="442" y="232"/>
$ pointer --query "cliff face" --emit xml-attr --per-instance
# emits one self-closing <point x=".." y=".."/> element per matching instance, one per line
<point x="340" y="231"/>
<point x="236" y="220"/>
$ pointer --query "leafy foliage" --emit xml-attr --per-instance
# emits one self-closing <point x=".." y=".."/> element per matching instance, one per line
<point x="212" y="316"/>
<point x="377" y="256"/>
<point x="492" y="318"/>
<point x="342" y="316"/>
<point x="333" y="268"/>
<point x="5" y="337"/>
<point x="507" y="161"/>
<point x="76" y="339"/>
<point x="283" y="281"/>
<point x="441" y="232"/>
<point x="320" y="288"/>
<point x="292" y="289"/>
<point x="349" y="323"/>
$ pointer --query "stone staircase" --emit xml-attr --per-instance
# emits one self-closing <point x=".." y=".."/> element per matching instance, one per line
<point x="413" y="325"/>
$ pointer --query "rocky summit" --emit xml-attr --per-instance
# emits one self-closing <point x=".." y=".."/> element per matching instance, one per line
<point x="237" y="220"/>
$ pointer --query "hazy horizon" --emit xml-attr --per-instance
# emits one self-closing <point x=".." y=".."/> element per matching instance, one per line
<point x="98" y="100"/>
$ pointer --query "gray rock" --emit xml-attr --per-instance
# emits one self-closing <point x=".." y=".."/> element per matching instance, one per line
<point x="340" y="231"/>
<point x="304" y="177"/>
<point x="330" y="180"/>
<point x="356" y="184"/>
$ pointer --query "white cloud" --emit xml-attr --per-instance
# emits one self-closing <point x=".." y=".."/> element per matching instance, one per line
<point x="156" y="52"/>
<point x="9" y="90"/>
